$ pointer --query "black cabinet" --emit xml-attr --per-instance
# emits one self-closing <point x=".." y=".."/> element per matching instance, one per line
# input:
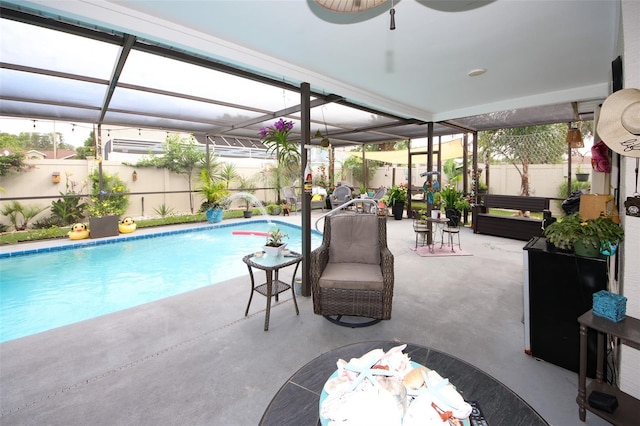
<point x="559" y="288"/>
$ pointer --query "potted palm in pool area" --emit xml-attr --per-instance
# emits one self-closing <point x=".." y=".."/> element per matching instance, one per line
<point x="216" y="195"/>
<point x="247" y="188"/>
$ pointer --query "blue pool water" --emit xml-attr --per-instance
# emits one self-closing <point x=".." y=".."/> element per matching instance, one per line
<point x="42" y="291"/>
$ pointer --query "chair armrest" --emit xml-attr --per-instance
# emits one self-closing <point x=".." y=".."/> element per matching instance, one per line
<point x="387" y="266"/>
<point x="319" y="260"/>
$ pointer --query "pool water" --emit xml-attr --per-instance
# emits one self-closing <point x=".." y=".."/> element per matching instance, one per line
<point x="42" y="291"/>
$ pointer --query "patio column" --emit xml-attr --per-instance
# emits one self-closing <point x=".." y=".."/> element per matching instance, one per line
<point x="305" y="140"/>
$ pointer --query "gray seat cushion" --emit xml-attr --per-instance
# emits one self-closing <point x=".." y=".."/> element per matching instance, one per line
<point x="352" y="276"/>
<point x="354" y="239"/>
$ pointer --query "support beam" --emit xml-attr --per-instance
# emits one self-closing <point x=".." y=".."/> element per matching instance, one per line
<point x="305" y="139"/>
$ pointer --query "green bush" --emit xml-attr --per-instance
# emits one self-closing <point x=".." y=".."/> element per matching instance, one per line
<point x="109" y="200"/>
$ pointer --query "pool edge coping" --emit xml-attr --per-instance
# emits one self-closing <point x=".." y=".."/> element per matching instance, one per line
<point x="75" y="244"/>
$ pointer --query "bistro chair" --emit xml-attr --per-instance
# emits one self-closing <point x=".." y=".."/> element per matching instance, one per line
<point x="451" y="228"/>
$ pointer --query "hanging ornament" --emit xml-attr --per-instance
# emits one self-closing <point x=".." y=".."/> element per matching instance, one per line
<point x="308" y="179"/>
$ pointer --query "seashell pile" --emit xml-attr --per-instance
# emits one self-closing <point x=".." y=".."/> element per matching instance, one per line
<point x="387" y="388"/>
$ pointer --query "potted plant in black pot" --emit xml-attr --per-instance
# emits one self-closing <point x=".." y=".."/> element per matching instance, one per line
<point x="454" y="203"/>
<point x="397" y="197"/>
<point x="247" y="188"/>
<point x="580" y="175"/>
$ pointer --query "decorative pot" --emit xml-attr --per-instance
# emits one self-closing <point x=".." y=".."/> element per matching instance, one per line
<point x="103" y="226"/>
<point x="274" y="251"/>
<point x="453" y="215"/>
<point x="214" y="215"/>
<point x="397" y="209"/>
<point x="586" y="250"/>
<point x="247" y="214"/>
<point x="582" y="177"/>
<point x="608" y="248"/>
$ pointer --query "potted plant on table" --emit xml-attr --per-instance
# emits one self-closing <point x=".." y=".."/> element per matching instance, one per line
<point x="274" y="245"/>
<point x="585" y="237"/>
<point x="106" y="204"/>
<point x="397" y="197"/>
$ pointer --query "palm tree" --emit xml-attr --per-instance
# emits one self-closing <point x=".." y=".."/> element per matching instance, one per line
<point x="228" y="173"/>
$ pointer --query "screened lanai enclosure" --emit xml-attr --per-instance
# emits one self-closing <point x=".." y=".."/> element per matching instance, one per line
<point x="63" y="69"/>
<point x="60" y="68"/>
<point x="219" y="73"/>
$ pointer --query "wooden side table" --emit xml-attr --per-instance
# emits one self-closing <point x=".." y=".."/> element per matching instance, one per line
<point x="628" y="331"/>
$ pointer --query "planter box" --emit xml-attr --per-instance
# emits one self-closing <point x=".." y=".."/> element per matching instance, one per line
<point x="582" y="177"/>
<point x="104" y="226"/>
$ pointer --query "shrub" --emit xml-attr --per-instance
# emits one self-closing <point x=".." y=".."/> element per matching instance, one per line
<point x="109" y="200"/>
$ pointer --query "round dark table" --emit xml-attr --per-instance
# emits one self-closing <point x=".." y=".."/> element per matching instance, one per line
<point x="296" y="403"/>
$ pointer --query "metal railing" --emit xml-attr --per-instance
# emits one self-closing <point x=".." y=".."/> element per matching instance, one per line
<point x="352" y="202"/>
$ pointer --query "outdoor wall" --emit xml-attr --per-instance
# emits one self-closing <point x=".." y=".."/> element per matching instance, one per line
<point x="545" y="180"/>
<point x="37" y="183"/>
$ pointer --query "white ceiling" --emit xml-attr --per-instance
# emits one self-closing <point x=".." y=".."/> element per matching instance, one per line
<point x="536" y="53"/>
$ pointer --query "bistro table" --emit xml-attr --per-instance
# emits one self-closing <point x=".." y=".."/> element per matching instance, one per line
<point x="297" y="401"/>
<point x="434" y="224"/>
<point x="273" y="286"/>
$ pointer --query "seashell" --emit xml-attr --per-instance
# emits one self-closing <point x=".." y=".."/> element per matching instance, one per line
<point x="414" y="378"/>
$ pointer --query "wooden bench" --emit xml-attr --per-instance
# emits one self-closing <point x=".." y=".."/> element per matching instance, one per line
<point x="517" y="227"/>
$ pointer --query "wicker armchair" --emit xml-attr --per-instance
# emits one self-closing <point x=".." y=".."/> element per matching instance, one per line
<point x="340" y="195"/>
<point x="352" y="271"/>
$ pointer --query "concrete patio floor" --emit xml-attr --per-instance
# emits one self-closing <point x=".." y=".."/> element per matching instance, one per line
<point x="195" y="359"/>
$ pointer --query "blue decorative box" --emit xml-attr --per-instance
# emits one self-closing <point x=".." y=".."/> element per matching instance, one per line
<point x="609" y="305"/>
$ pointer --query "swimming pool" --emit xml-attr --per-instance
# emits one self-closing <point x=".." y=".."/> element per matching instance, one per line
<point x="42" y="291"/>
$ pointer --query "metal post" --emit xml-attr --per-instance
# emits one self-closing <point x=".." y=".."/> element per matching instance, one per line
<point x="305" y="139"/>
<point x="430" y="169"/>
<point x="409" y="178"/>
